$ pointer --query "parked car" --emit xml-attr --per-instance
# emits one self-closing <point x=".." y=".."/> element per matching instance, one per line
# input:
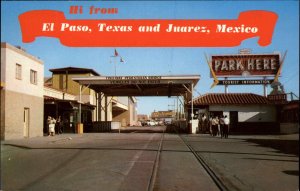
<point x="151" y="123"/>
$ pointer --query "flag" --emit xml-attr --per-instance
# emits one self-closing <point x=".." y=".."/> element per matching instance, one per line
<point x="121" y="60"/>
<point x="116" y="53"/>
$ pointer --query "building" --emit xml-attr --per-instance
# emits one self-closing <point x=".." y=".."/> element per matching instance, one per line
<point x="62" y="80"/>
<point x="163" y="116"/>
<point x="248" y="113"/>
<point x="289" y="117"/>
<point x="95" y="106"/>
<point x="124" y="110"/>
<point x="22" y="83"/>
<point x="142" y="117"/>
<point x="58" y="103"/>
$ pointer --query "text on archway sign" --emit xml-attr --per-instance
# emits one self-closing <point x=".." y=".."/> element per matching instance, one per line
<point x="134" y="79"/>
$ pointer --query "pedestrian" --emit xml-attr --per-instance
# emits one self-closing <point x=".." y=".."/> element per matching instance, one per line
<point x="217" y="126"/>
<point x="58" y="125"/>
<point x="214" y="123"/>
<point x="52" y="126"/>
<point x="48" y="125"/>
<point x="222" y="126"/>
<point x="204" y="123"/>
<point x="199" y="125"/>
<point x="210" y="125"/>
<point x="226" y="126"/>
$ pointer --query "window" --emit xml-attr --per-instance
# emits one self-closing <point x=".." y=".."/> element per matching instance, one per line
<point x="18" y="71"/>
<point x="33" y="77"/>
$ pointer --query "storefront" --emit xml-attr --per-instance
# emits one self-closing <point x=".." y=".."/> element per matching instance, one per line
<point x="68" y="111"/>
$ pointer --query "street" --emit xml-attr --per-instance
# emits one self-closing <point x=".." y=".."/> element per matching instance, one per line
<point x="125" y="161"/>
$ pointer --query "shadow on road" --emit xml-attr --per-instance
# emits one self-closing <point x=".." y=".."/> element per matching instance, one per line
<point x="283" y="146"/>
<point x="291" y="172"/>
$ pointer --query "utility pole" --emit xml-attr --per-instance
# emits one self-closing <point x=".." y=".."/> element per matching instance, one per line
<point x="115" y="63"/>
<point x="173" y="105"/>
<point x="226" y="86"/>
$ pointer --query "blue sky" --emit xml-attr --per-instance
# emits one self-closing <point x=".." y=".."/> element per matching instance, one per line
<point x="160" y="61"/>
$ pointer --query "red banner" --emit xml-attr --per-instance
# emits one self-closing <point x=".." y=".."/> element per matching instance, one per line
<point x="148" y="33"/>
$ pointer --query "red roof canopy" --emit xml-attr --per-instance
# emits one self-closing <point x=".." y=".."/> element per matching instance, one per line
<point x="230" y="99"/>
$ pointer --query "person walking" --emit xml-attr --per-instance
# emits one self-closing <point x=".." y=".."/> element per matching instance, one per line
<point x="226" y="127"/>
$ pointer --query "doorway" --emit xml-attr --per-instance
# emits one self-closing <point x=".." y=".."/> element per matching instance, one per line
<point x="26" y="123"/>
<point x="233" y="120"/>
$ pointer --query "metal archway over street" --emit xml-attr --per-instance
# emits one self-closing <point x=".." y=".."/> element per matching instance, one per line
<point x="171" y="85"/>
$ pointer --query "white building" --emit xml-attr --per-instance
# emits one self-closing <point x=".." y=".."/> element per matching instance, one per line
<point x="22" y="88"/>
<point x="124" y="111"/>
<point x="248" y="113"/>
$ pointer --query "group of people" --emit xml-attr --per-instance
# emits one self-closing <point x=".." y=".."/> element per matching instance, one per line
<point x="216" y="125"/>
<point x="219" y="126"/>
<point x="54" y="125"/>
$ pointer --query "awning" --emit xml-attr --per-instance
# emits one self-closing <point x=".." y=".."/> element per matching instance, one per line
<point x="172" y="85"/>
<point x="68" y="104"/>
<point x="231" y="99"/>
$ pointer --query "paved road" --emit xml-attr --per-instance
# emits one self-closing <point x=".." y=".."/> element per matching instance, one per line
<point x="80" y="162"/>
<point x="112" y="161"/>
<point x="252" y="162"/>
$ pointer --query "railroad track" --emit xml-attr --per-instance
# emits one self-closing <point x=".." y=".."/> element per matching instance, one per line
<point x="202" y="162"/>
<point x="156" y="164"/>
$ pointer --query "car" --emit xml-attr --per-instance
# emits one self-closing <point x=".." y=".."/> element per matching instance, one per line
<point x="151" y="123"/>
